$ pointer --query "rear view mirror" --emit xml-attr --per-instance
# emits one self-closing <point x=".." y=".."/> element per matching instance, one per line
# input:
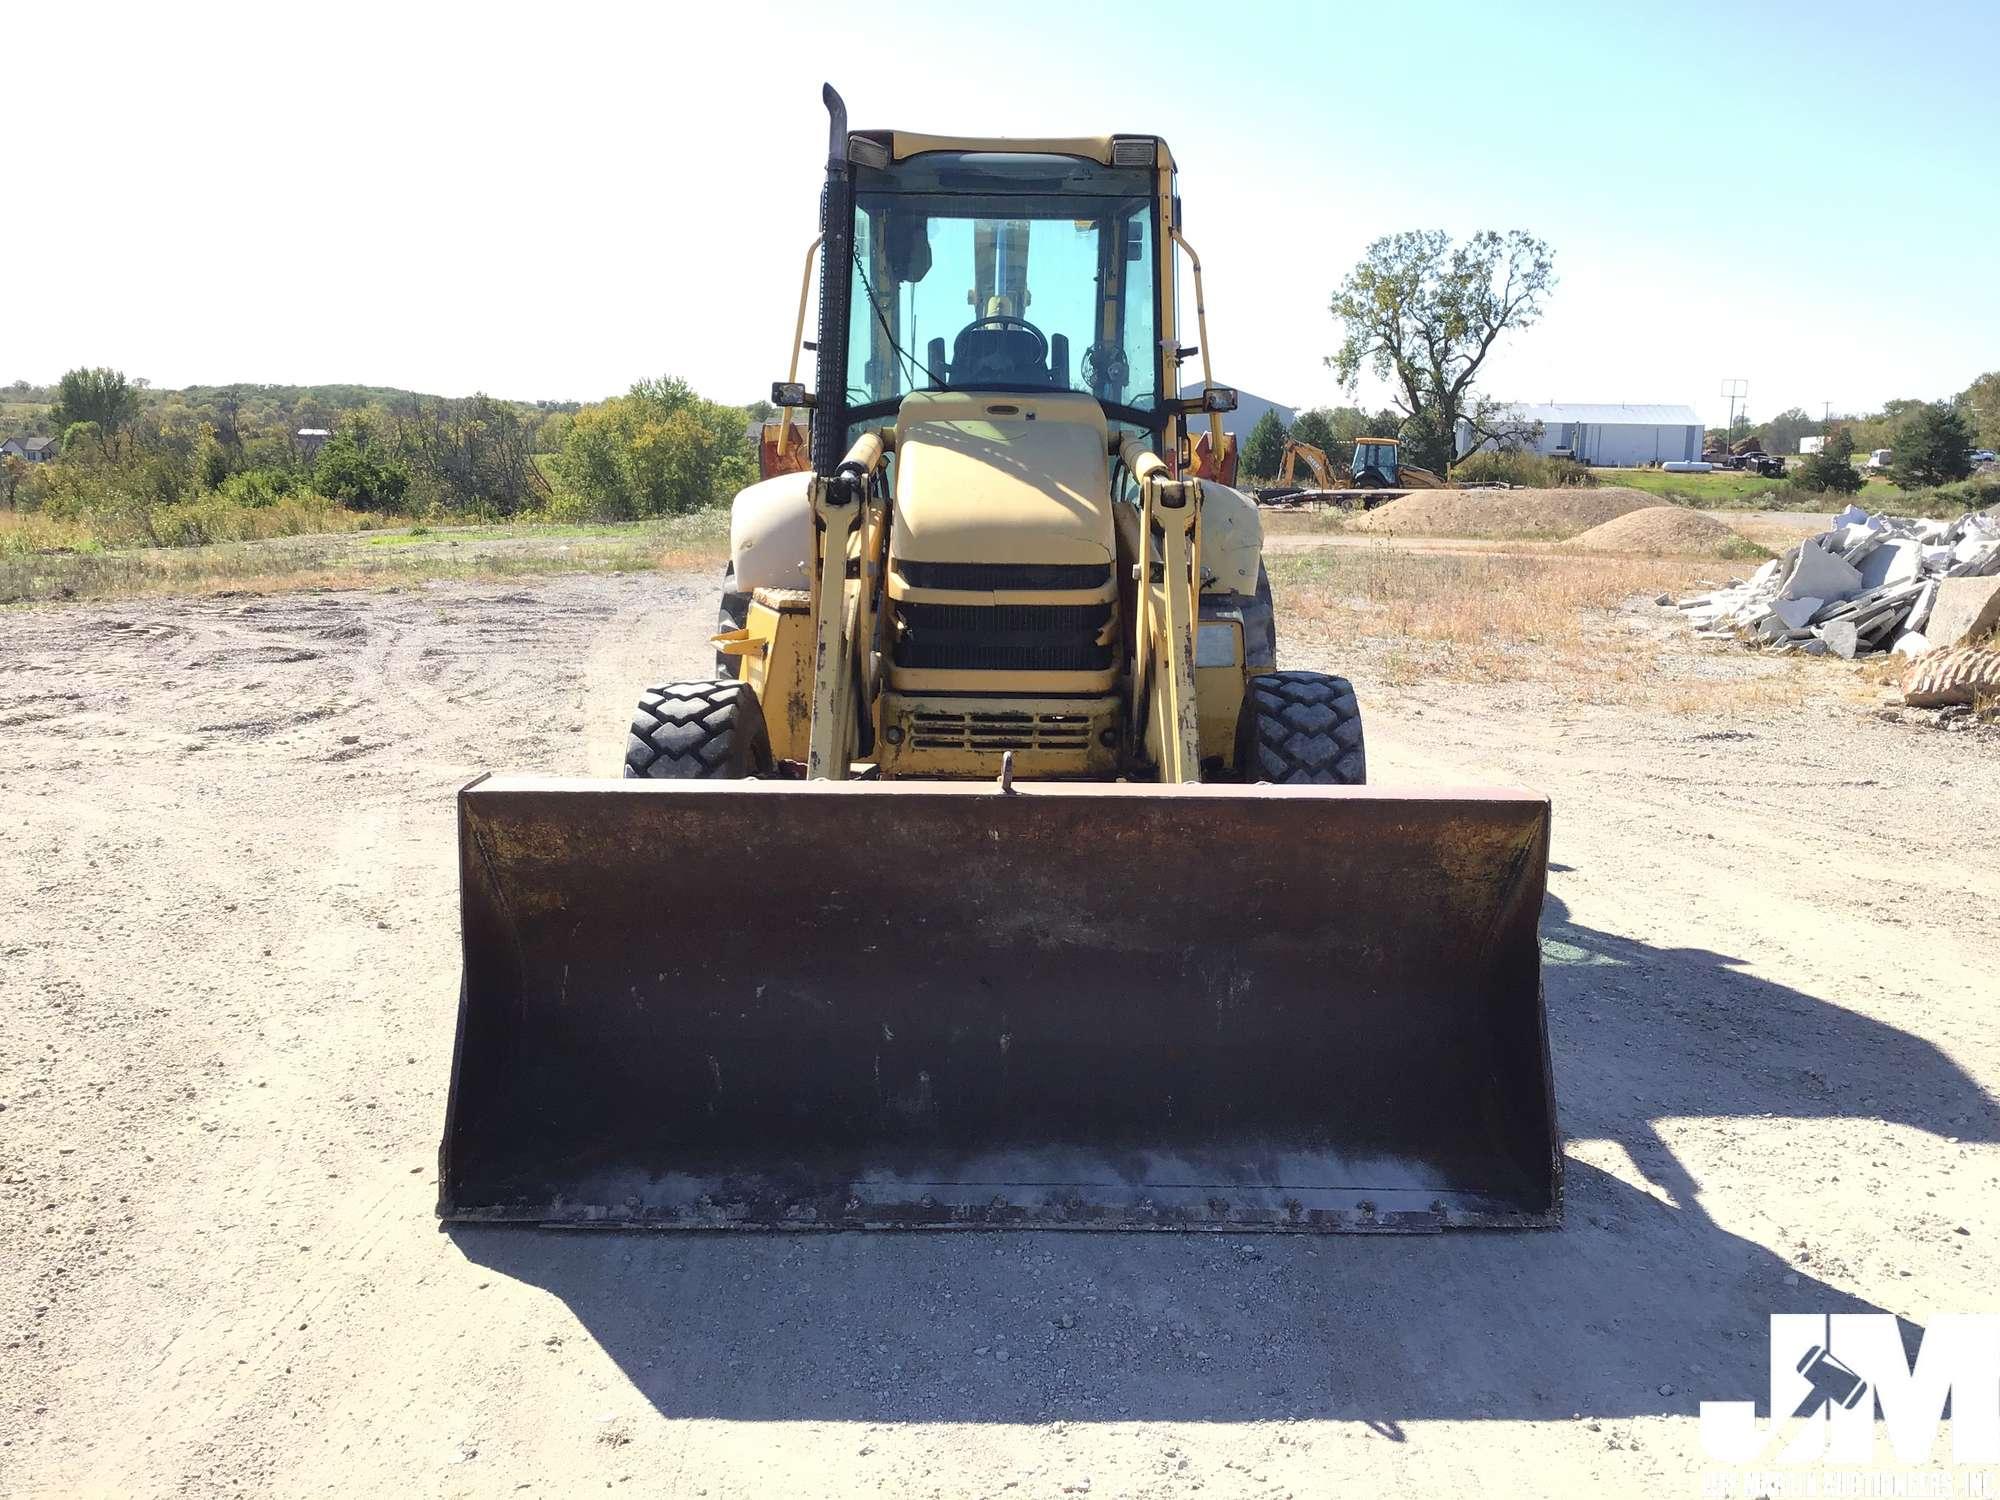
<point x="906" y="246"/>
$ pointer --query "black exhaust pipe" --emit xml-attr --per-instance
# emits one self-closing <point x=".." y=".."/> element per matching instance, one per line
<point x="836" y="257"/>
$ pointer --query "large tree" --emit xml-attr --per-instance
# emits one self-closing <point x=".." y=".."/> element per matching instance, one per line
<point x="1423" y="313"/>
<point x="1981" y="403"/>
<point x="102" y="396"/>
<point x="1264" y="449"/>
<point x="1933" y="445"/>
<point x="1782" y="433"/>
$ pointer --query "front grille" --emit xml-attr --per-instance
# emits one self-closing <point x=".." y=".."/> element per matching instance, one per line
<point x="935" y="730"/>
<point x="1003" y="638"/>
<point x="995" y="577"/>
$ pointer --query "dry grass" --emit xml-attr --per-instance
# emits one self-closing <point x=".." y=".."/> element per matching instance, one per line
<point x="1319" y="520"/>
<point x="1581" y="625"/>
<point x="698" y="542"/>
<point x="1463" y="599"/>
<point x="22" y="533"/>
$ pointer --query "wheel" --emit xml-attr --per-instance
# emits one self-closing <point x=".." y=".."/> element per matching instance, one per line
<point x="734" y="611"/>
<point x="698" y="731"/>
<point x="1301" y="729"/>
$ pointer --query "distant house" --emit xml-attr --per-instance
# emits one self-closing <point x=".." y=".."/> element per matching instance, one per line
<point x="1593" y="433"/>
<point x="36" y="450"/>
<point x="311" y="440"/>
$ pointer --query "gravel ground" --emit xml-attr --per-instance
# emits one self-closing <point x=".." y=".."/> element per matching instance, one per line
<point x="227" y="870"/>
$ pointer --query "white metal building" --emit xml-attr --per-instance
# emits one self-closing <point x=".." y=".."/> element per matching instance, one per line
<point x="1626" y="436"/>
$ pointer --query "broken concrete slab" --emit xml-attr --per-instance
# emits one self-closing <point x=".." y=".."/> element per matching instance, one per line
<point x="1893" y="561"/>
<point x="1818" y="574"/>
<point x="1841" y="638"/>
<point x="1920" y="611"/>
<point x="1797" y="613"/>
<point x="1965" y="610"/>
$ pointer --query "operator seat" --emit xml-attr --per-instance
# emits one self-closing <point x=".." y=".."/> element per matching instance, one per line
<point x="1001" y="350"/>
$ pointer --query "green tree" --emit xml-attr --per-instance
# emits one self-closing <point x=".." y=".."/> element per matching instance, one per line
<point x="1316" y="427"/>
<point x="1423" y="314"/>
<point x="1981" y="403"/>
<point x="659" y="449"/>
<point x="1828" y="473"/>
<point x="468" y="456"/>
<point x="1933" y="445"/>
<point x="82" y="441"/>
<point x="1782" y="433"/>
<point x="1264" y="450"/>
<point x="101" y="396"/>
<point x="1840" y="443"/>
<point x="357" y="471"/>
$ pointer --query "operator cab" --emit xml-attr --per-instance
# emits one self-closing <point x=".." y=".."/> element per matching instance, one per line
<point x="1375" y="462"/>
<point x="1001" y="270"/>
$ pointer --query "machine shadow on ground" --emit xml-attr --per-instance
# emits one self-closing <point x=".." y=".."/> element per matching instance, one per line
<point x="1640" y="1305"/>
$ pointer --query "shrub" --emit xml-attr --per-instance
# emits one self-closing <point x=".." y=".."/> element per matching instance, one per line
<point x="354" y="473"/>
<point x="1538" y="470"/>
<point x="259" y="487"/>
<point x="1824" y="474"/>
<point x="658" y="450"/>
<point x="1933" y="446"/>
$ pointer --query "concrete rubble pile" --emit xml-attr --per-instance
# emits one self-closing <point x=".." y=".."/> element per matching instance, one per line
<point x="1872" y="583"/>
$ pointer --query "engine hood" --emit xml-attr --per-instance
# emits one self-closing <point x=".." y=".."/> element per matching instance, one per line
<point x="1002" y="478"/>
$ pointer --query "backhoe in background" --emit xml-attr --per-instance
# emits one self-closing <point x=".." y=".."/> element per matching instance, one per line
<point x="1002" y="878"/>
<point x="1375" y="468"/>
<point x="1378" y="465"/>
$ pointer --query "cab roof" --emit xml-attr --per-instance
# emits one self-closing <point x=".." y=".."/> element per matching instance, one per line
<point x="1097" y="148"/>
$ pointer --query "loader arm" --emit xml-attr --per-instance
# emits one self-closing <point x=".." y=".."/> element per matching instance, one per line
<point x="1163" y="635"/>
<point x="842" y="619"/>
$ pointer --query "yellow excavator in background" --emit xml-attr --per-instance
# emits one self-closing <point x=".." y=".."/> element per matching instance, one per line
<point x="1005" y="879"/>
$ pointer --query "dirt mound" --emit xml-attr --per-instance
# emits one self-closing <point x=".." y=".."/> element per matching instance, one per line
<point x="1549" y="515"/>
<point x="1662" y="531"/>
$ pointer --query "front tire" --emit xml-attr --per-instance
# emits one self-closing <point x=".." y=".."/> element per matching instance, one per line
<point x="1300" y="729"/>
<point x="709" y="731"/>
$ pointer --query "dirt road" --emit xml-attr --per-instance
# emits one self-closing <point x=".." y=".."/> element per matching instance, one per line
<point x="227" y="874"/>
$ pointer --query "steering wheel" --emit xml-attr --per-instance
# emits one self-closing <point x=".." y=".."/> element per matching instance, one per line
<point x="1003" y="321"/>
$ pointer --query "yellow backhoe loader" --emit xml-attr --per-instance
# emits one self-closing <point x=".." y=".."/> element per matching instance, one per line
<point x="1004" y="879"/>
<point x="1378" y="465"/>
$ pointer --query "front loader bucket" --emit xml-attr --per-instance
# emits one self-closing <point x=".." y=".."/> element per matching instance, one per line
<point x="770" y="1004"/>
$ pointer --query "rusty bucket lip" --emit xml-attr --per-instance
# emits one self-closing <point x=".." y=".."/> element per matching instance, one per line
<point x="511" y="783"/>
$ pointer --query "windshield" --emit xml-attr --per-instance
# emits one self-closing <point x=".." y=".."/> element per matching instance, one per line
<point x="1004" y="291"/>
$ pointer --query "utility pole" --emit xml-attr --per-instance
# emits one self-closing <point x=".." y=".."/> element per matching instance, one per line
<point x="1736" y="390"/>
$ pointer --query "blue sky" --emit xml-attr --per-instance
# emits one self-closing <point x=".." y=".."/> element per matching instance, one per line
<point x="548" y="201"/>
